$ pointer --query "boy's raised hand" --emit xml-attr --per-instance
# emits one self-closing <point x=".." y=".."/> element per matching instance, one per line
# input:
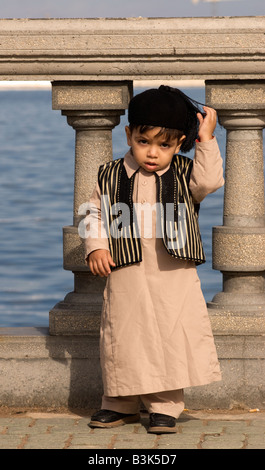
<point x="100" y="262"/>
<point x="207" y="124"/>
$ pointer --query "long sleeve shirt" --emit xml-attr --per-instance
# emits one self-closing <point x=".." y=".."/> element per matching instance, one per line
<point x="206" y="177"/>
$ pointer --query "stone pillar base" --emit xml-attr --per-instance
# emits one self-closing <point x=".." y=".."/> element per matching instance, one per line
<point x="239" y="255"/>
<point x="75" y="315"/>
<point x="68" y="318"/>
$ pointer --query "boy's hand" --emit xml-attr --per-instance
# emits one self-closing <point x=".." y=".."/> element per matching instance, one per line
<point x="100" y="262"/>
<point x="207" y="124"/>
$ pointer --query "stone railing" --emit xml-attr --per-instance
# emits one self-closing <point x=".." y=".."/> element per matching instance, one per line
<point x="131" y="49"/>
<point x="92" y="64"/>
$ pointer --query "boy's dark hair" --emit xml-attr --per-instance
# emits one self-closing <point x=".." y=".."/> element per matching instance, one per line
<point x="168" y="134"/>
<point x="168" y="108"/>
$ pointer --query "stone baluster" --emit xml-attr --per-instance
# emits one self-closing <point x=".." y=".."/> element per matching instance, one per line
<point x="239" y="245"/>
<point x="93" y="109"/>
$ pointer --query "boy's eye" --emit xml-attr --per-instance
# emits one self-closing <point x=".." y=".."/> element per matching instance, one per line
<point x="142" y="141"/>
<point x="165" y="145"/>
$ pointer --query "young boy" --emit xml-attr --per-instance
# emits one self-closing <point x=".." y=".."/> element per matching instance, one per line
<point x="155" y="336"/>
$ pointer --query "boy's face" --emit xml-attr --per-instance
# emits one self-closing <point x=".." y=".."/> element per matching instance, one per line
<point x="152" y="152"/>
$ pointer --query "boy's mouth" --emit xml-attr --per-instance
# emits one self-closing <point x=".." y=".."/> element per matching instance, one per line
<point x="151" y="165"/>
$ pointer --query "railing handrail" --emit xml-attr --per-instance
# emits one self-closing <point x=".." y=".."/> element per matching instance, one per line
<point x="132" y="48"/>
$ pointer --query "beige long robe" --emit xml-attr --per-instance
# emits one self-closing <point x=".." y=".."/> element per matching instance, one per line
<point x="155" y="331"/>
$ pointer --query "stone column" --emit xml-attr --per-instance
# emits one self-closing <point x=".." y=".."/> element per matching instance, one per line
<point x="239" y="245"/>
<point x="93" y="109"/>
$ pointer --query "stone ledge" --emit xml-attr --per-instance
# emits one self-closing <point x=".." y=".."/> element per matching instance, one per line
<point x="33" y="342"/>
<point x="64" y="371"/>
<point x="40" y="370"/>
<point x="30" y="342"/>
<point x="102" y="49"/>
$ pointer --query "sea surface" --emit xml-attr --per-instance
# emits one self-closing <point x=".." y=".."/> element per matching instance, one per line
<point x="36" y="189"/>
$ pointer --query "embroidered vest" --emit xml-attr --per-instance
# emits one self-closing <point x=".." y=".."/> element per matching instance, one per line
<point x="179" y="229"/>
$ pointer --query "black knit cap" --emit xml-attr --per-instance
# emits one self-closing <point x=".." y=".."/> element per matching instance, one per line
<point x="166" y="107"/>
<point x="162" y="107"/>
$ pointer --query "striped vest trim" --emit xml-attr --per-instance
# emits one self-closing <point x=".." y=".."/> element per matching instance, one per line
<point x="172" y="190"/>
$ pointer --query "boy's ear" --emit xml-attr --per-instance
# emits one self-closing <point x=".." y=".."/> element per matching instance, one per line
<point x="182" y="138"/>
<point x="129" y="135"/>
<point x="180" y="142"/>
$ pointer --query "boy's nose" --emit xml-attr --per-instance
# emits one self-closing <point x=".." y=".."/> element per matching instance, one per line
<point x="152" y="151"/>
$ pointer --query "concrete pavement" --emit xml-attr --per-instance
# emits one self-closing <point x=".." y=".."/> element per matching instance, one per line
<point x="196" y="430"/>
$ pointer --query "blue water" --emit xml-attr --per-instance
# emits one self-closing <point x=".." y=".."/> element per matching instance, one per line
<point x="36" y="190"/>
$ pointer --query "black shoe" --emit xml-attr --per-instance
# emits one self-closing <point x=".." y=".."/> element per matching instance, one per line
<point x="160" y="423"/>
<point x="111" y="419"/>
